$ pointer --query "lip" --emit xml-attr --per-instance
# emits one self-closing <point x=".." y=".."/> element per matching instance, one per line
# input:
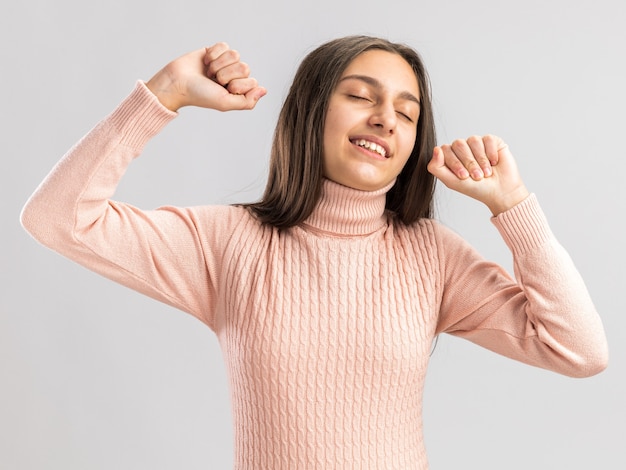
<point x="374" y="139"/>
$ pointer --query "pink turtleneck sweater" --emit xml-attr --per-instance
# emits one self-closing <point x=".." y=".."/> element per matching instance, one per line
<point x="326" y="328"/>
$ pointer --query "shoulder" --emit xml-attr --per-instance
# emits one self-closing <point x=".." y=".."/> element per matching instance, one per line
<point x="219" y="224"/>
<point x="427" y="229"/>
<point x="225" y="216"/>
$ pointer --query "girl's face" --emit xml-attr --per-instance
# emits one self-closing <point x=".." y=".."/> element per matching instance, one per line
<point x="371" y="123"/>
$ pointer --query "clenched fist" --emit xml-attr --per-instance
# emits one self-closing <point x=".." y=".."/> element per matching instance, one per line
<point x="482" y="168"/>
<point x="213" y="77"/>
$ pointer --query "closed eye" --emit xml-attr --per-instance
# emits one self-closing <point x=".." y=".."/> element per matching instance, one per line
<point x="405" y="116"/>
<point x="358" y="97"/>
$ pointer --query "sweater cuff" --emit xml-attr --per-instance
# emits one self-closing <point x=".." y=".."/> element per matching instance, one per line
<point x="140" y="116"/>
<point x="524" y="227"/>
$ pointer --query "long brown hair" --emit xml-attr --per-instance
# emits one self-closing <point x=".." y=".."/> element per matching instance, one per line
<point x="295" y="175"/>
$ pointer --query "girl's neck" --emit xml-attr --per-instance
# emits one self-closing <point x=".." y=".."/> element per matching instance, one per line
<point x="345" y="211"/>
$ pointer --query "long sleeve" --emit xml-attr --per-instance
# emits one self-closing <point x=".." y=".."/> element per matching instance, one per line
<point x="159" y="253"/>
<point x="544" y="318"/>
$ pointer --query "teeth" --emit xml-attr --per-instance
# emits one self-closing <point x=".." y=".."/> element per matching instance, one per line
<point x="371" y="146"/>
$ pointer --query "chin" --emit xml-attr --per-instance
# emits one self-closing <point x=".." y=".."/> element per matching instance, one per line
<point x="359" y="181"/>
<point x="364" y="185"/>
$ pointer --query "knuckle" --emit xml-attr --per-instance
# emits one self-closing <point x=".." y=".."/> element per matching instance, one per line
<point x="214" y="51"/>
<point x="244" y="68"/>
<point x="220" y="77"/>
<point x="236" y="87"/>
<point x="474" y="139"/>
<point x="457" y="144"/>
<point x="210" y="72"/>
<point x="234" y="55"/>
<point x="492" y="140"/>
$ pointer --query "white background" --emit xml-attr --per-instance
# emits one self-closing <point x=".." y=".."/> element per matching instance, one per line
<point x="94" y="376"/>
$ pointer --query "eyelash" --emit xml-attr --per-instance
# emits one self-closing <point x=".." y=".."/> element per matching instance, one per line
<point x="405" y="117"/>
<point x="357" y="97"/>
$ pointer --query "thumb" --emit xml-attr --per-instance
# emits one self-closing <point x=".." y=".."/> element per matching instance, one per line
<point x="254" y="95"/>
<point x="244" y="101"/>
<point x="437" y="165"/>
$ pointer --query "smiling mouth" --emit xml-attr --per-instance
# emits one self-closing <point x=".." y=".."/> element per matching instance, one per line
<point x="371" y="146"/>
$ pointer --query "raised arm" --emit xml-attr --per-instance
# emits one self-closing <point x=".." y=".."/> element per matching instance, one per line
<point x="171" y="254"/>
<point x="545" y="316"/>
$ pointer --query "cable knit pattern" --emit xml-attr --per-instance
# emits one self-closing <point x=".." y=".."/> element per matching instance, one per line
<point x="326" y="327"/>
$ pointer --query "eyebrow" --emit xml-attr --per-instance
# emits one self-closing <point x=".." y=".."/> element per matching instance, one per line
<point x="405" y="95"/>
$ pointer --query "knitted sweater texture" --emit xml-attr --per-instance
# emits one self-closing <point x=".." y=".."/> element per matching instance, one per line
<point x="326" y="327"/>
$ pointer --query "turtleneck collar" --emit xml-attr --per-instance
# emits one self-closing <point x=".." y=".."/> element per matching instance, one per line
<point x="346" y="211"/>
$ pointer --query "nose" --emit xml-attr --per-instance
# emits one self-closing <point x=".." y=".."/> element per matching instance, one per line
<point x="384" y="117"/>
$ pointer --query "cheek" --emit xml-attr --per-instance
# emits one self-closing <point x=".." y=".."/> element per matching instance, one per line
<point x="332" y="137"/>
<point x="332" y="123"/>
<point x="408" y="143"/>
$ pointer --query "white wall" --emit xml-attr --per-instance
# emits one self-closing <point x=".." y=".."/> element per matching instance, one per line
<point x="94" y="376"/>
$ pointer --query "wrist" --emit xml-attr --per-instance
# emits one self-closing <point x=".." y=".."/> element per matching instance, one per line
<point x="504" y="202"/>
<point x="161" y="87"/>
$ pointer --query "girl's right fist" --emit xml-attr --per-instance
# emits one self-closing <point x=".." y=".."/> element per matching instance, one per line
<point x="213" y="77"/>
